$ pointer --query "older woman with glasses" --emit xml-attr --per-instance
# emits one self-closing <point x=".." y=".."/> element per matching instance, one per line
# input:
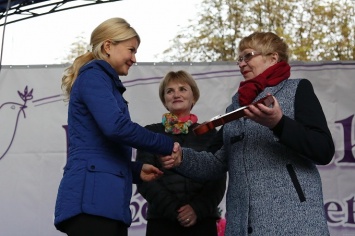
<point x="270" y="154"/>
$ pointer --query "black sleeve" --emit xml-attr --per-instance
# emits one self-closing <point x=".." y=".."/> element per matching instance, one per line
<point x="206" y="201"/>
<point x="216" y="142"/>
<point x="154" y="192"/>
<point x="308" y="134"/>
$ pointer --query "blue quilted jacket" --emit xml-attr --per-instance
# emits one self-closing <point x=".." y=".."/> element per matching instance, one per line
<point x="99" y="172"/>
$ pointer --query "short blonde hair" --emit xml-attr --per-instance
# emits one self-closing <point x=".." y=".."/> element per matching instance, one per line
<point x="266" y="43"/>
<point x="178" y="76"/>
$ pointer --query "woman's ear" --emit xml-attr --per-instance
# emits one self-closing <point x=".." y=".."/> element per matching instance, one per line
<point x="275" y="57"/>
<point x="193" y="103"/>
<point x="107" y="46"/>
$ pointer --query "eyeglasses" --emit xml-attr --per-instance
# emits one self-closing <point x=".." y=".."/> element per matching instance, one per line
<point x="247" y="57"/>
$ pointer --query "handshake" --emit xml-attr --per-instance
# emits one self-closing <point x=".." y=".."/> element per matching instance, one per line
<point x="174" y="159"/>
<point x="150" y="172"/>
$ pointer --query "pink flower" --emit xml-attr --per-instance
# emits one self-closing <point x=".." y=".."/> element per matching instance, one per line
<point x="221" y="226"/>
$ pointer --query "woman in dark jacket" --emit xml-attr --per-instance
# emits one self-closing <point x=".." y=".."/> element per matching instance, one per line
<point x="95" y="191"/>
<point x="179" y="206"/>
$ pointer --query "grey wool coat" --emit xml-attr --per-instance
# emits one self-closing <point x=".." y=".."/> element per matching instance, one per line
<point x="274" y="186"/>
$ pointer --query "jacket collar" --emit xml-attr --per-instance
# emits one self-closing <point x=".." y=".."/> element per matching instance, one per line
<point x="107" y="69"/>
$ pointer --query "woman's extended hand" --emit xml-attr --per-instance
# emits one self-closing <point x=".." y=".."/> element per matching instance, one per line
<point x="150" y="172"/>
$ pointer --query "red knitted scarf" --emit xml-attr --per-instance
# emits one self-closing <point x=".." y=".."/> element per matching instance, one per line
<point x="249" y="89"/>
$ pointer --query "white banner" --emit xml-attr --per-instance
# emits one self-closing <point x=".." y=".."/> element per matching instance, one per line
<point x="33" y="141"/>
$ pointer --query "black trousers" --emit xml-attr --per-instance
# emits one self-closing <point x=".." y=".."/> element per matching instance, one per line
<point x="90" y="225"/>
<point x="163" y="227"/>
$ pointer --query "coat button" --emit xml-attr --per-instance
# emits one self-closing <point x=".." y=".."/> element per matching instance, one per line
<point x="250" y="230"/>
<point x="92" y="167"/>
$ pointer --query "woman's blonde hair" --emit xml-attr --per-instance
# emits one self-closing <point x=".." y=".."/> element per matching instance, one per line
<point x="180" y="76"/>
<point x="266" y="43"/>
<point x="115" y="30"/>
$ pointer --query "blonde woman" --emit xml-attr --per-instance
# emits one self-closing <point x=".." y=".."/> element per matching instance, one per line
<point x="94" y="194"/>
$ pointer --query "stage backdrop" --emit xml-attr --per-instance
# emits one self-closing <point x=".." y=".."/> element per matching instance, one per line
<point x="33" y="138"/>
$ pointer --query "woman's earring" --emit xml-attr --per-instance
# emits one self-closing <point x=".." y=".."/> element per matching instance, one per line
<point x="108" y="55"/>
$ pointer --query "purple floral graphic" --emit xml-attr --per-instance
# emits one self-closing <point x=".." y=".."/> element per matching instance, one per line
<point x="8" y="126"/>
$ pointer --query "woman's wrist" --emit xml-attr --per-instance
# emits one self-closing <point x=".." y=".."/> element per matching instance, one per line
<point x="180" y="158"/>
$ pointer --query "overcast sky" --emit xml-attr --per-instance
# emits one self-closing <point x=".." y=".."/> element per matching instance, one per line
<point x="47" y="39"/>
